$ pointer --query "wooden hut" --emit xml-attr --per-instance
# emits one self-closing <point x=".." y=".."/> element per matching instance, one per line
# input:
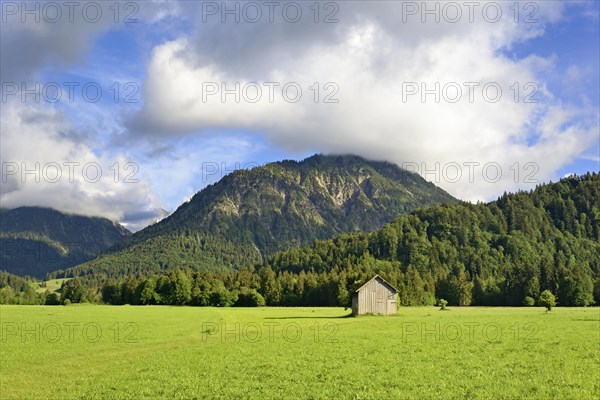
<point x="377" y="296"/>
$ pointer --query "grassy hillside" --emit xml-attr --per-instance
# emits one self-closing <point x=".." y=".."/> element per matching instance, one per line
<point x="52" y="285"/>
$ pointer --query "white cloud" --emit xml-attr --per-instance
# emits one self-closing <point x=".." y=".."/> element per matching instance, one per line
<point x="179" y="172"/>
<point x="63" y="172"/>
<point x="41" y="35"/>
<point x="34" y="133"/>
<point x="369" y="56"/>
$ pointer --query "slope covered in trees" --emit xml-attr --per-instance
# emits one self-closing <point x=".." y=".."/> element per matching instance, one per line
<point x="502" y="253"/>
<point x="484" y="254"/>
<point x="36" y="240"/>
<point x="251" y="214"/>
<point x="19" y="290"/>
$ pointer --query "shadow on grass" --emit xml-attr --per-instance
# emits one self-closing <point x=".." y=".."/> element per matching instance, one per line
<point x="311" y="317"/>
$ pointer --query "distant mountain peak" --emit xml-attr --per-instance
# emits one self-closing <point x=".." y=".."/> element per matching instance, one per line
<point x="272" y="208"/>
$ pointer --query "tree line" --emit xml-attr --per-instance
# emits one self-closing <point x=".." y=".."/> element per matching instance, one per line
<point x="506" y="252"/>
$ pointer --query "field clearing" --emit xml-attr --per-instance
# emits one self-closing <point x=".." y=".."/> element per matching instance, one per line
<point x="113" y="352"/>
<point x="52" y="285"/>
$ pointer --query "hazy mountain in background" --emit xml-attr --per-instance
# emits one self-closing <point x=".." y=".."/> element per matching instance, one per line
<point x="36" y="240"/>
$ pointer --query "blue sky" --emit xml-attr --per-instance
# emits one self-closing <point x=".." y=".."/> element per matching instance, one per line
<point x="573" y="41"/>
<point x="161" y="62"/>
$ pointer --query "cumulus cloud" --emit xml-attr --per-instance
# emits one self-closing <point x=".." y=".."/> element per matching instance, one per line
<point x="371" y="59"/>
<point x="39" y="35"/>
<point x="42" y="165"/>
<point x="355" y="75"/>
<point x="48" y="159"/>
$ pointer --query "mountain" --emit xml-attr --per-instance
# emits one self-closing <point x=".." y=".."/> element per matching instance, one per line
<point x="162" y="215"/>
<point x="506" y="252"/>
<point x="36" y="240"/>
<point x="249" y="215"/>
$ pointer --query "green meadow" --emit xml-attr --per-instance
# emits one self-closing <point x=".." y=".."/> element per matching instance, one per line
<point x="51" y="285"/>
<point x="111" y="352"/>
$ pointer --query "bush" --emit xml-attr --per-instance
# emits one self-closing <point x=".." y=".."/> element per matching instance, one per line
<point x="250" y="298"/>
<point x="547" y="299"/>
<point x="66" y="302"/>
<point x="259" y="300"/>
<point x="52" y="299"/>
<point x="442" y="304"/>
<point x="223" y="298"/>
<point x="528" y="301"/>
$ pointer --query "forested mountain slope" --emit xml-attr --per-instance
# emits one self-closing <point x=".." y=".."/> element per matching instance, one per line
<point x="36" y="240"/>
<point x="505" y="252"/>
<point x="251" y="214"/>
<point x="484" y="254"/>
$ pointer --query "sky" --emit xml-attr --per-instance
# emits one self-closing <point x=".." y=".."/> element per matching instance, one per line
<point x="126" y="109"/>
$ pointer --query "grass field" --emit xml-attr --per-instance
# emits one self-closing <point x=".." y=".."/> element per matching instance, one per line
<point x="52" y="285"/>
<point x="104" y="352"/>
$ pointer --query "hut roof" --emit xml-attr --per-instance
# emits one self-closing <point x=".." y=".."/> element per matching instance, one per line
<point x="375" y="277"/>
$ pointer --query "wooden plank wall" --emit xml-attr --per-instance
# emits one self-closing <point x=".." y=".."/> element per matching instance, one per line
<point x="373" y="298"/>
